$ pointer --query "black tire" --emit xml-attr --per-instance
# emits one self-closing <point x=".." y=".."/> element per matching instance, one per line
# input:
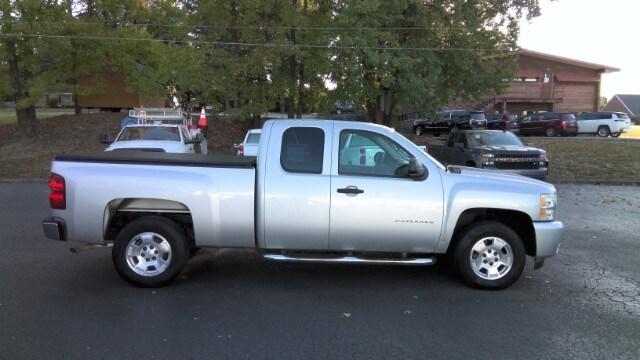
<point x="470" y="164"/>
<point x="338" y="111"/>
<point x="472" y="235"/>
<point x="603" y="131"/>
<point x="419" y="130"/>
<point x="163" y="227"/>
<point x="615" y="135"/>
<point x="550" y="132"/>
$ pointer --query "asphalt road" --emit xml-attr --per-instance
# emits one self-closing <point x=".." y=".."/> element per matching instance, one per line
<point x="584" y="304"/>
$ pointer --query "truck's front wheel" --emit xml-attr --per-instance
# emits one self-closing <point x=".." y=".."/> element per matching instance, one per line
<point x="150" y="251"/>
<point x="490" y="255"/>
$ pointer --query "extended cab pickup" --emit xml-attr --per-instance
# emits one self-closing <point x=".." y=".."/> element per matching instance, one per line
<point x="319" y="190"/>
<point x="494" y="150"/>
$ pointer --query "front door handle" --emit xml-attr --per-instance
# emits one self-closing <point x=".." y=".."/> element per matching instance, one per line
<point x="350" y="190"/>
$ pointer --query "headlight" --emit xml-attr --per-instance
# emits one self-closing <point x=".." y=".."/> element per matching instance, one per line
<point x="543" y="160"/>
<point x="487" y="159"/>
<point x="548" y="207"/>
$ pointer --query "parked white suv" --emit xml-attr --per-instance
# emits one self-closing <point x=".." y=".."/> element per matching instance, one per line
<point x="603" y="124"/>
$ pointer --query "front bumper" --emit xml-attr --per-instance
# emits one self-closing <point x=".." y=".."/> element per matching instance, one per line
<point x="548" y="239"/>
<point x="55" y="228"/>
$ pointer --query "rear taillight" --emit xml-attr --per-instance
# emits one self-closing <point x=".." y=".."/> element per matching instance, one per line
<point x="241" y="150"/>
<point x="57" y="196"/>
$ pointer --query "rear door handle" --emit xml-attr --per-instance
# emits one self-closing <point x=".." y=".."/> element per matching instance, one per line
<point x="350" y="190"/>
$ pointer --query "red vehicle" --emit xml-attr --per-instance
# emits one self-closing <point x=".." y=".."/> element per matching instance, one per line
<point x="549" y="124"/>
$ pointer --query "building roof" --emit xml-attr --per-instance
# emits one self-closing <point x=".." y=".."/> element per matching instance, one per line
<point x="630" y="102"/>
<point x="564" y="60"/>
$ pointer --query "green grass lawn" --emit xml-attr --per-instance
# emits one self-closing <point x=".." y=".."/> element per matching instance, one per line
<point x="591" y="159"/>
<point x="8" y="116"/>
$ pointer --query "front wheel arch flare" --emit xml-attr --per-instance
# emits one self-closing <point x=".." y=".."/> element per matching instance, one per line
<point x="518" y="221"/>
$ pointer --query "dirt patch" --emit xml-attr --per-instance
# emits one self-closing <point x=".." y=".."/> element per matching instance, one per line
<point x="29" y="157"/>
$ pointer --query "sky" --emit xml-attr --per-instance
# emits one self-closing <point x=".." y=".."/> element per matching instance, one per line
<point x="597" y="31"/>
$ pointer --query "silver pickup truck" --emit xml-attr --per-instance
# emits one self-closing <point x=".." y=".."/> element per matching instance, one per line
<point x="319" y="190"/>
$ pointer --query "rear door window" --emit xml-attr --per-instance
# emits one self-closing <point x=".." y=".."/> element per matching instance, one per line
<point x="622" y="116"/>
<point x="302" y="150"/>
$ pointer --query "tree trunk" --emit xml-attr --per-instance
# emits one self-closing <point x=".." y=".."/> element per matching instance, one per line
<point x="293" y="74"/>
<point x="300" y="91"/>
<point x="18" y="78"/>
<point x="27" y="119"/>
<point x="371" y="109"/>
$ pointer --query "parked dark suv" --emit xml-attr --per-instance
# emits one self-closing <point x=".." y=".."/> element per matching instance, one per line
<point x="506" y="122"/>
<point x="549" y="124"/>
<point x="448" y="120"/>
<point x="343" y="106"/>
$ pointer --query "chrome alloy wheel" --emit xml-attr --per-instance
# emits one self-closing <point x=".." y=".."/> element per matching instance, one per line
<point x="491" y="258"/>
<point x="148" y="254"/>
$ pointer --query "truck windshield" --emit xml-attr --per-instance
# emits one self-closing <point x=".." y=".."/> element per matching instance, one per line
<point x="493" y="138"/>
<point x="164" y="133"/>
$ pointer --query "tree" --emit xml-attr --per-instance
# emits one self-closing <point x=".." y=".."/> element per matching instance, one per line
<point x="423" y="54"/>
<point x="47" y="43"/>
<point x="28" y="62"/>
<point x="602" y="103"/>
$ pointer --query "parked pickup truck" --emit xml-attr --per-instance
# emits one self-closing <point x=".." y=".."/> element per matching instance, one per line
<point x="492" y="150"/>
<point x="169" y="138"/>
<point x="311" y="194"/>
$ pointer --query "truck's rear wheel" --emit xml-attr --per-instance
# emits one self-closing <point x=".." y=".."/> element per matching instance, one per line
<point x="150" y="251"/>
<point x="490" y="255"/>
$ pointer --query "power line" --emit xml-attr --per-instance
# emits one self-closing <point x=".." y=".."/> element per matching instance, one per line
<point x="269" y="45"/>
<point x="331" y="28"/>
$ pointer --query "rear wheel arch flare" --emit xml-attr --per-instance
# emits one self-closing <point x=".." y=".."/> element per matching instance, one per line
<point x="119" y="212"/>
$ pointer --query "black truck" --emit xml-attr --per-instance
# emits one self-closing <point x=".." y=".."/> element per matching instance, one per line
<point x="492" y="150"/>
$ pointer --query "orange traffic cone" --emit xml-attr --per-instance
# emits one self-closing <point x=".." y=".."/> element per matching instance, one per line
<point x="202" y="121"/>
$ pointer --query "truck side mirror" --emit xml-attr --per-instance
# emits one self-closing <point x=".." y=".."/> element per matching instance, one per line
<point x="106" y="139"/>
<point x="416" y="170"/>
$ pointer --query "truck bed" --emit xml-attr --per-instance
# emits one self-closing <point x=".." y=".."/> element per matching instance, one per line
<point x="160" y="158"/>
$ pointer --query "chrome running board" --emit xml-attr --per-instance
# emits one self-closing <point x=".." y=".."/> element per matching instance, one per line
<point x="353" y="259"/>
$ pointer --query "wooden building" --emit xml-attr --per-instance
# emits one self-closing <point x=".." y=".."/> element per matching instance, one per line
<point x="114" y="94"/>
<point x="545" y="82"/>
